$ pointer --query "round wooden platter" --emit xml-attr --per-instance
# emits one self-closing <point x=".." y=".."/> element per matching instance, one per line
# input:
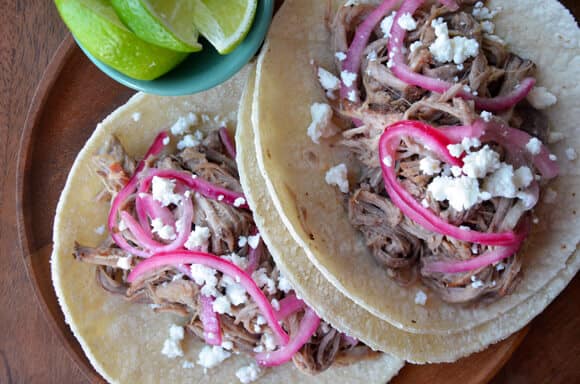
<point x="71" y="99"/>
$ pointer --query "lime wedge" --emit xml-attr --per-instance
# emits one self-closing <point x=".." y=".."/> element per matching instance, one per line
<point x="165" y="23"/>
<point x="224" y="23"/>
<point x="97" y="28"/>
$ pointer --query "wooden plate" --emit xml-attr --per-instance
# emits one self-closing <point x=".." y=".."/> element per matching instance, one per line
<point x="71" y="99"/>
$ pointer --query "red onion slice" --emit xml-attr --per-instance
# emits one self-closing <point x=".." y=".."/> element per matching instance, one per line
<point x="308" y="325"/>
<point x="176" y="258"/>
<point x="437" y="143"/>
<point x="404" y="73"/>
<point x="481" y="261"/>
<point x="227" y="142"/>
<point x="210" y="320"/>
<point x="357" y="46"/>
<point x="289" y="305"/>
<point x="197" y="184"/>
<point x="124" y="194"/>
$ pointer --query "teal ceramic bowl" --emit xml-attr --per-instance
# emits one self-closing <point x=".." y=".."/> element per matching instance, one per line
<point x="201" y="70"/>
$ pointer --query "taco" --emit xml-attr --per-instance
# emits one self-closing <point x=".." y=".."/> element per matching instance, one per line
<point x="170" y="281"/>
<point x="346" y="316"/>
<point x="381" y="127"/>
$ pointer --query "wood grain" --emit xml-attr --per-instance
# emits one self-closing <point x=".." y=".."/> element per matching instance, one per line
<point x="30" y="352"/>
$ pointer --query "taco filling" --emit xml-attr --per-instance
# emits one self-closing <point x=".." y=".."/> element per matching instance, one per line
<point x="444" y="125"/>
<point x="182" y="239"/>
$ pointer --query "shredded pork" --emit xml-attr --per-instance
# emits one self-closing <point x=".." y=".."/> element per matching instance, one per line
<point x="395" y="241"/>
<point x="170" y="290"/>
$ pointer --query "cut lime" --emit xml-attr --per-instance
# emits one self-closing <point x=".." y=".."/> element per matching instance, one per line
<point x="165" y="23"/>
<point x="97" y="28"/>
<point x="224" y="23"/>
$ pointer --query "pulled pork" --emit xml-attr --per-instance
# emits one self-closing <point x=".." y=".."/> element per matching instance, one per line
<point x="396" y="242"/>
<point x="170" y="290"/>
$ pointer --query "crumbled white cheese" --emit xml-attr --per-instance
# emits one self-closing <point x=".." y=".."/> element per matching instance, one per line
<point x="187" y="364"/>
<point x="372" y="56"/>
<point x="445" y="49"/>
<point x="222" y="305"/>
<point x="350" y="3"/>
<point x="550" y="196"/>
<point x="198" y="238"/>
<point x="388" y="161"/>
<point x="337" y="175"/>
<point x="235" y="292"/>
<point x="237" y="260"/>
<point x="420" y="298"/>
<point x="534" y="146"/>
<point x="500" y="267"/>
<point x="212" y="356"/>
<point x="477" y="284"/>
<point x="505" y="182"/>
<point x="188" y="141"/>
<point x="327" y="80"/>
<point x="351" y="96"/>
<point x="183" y="123"/>
<point x="242" y="241"/>
<point x="416" y="45"/>
<point x="166" y="140"/>
<point x="275" y="304"/>
<point x="264" y="281"/>
<point x="254" y="241"/>
<point x="407" y="22"/>
<point x="461" y="192"/>
<point x="486" y="116"/>
<point x="172" y="345"/>
<point x="284" y="284"/>
<point x="456" y="171"/>
<point x="483" y="13"/>
<point x="455" y="150"/>
<point x="100" y="230"/>
<point x="478" y="164"/>
<point x="206" y="277"/>
<point x="248" y="373"/>
<point x="321" y="125"/>
<point x="571" y="154"/>
<point x="136" y="116"/>
<point x="487" y="26"/>
<point x="466" y="144"/>
<point x="541" y="98"/>
<point x="268" y="341"/>
<point x="340" y="56"/>
<point x="260" y="320"/>
<point x="238" y="202"/>
<point x="387" y="24"/>
<point x="124" y="262"/>
<point x="162" y="191"/>
<point x="227" y="345"/>
<point x="552" y="157"/>
<point x="430" y="166"/>
<point x="348" y="78"/>
<point x="165" y="232"/>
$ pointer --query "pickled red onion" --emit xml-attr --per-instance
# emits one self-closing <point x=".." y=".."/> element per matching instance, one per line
<point x="481" y="261"/>
<point x="227" y="142"/>
<point x="204" y="187"/>
<point x="436" y="142"/>
<point x="289" y="305"/>
<point x="404" y="73"/>
<point x="355" y="50"/>
<point x="308" y="325"/>
<point x="124" y="194"/>
<point x="210" y="320"/>
<point x="176" y="258"/>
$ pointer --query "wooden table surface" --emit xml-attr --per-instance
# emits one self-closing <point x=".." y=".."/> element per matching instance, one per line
<point x="31" y="353"/>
